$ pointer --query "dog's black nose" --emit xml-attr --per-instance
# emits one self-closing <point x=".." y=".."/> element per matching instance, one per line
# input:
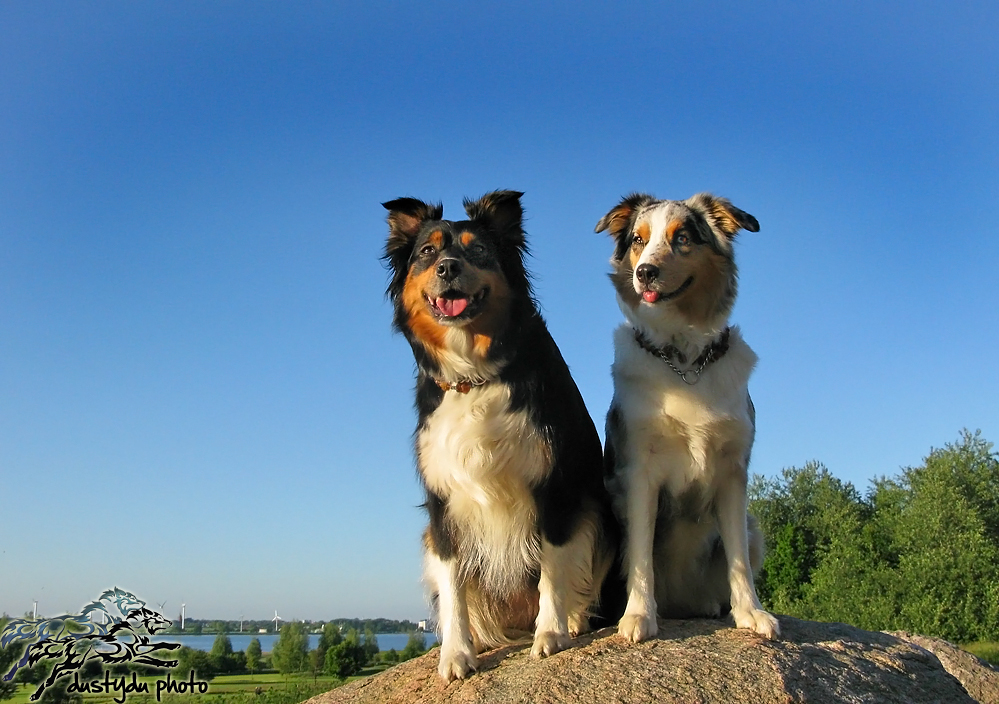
<point x="647" y="273"/>
<point x="448" y="269"/>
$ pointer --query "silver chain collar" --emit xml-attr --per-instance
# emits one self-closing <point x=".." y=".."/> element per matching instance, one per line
<point x="712" y="352"/>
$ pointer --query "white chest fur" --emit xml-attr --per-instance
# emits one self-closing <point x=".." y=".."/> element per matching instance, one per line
<point x="483" y="459"/>
<point x="673" y="430"/>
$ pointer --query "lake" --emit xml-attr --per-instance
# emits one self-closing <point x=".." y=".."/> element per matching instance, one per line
<point x="386" y="641"/>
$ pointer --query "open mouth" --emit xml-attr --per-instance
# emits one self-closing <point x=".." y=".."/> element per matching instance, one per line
<point x="455" y="305"/>
<point x="657" y="297"/>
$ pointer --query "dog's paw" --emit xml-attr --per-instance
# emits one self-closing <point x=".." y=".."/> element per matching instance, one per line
<point x="548" y="643"/>
<point x="637" y="627"/>
<point x="457" y="662"/>
<point x="578" y="625"/>
<point x="757" y="620"/>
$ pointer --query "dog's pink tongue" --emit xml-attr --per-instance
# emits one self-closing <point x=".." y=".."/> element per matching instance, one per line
<point x="451" y="306"/>
<point x="650" y="296"/>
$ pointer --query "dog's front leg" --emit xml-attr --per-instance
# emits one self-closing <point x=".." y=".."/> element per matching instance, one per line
<point x="639" y="620"/>
<point x="732" y="524"/>
<point x="458" y="657"/>
<point x="551" y="633"/>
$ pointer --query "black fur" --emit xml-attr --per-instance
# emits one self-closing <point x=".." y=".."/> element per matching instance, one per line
<point x="529" y="363"/>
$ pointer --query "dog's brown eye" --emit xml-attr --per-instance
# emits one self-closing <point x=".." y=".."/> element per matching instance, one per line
<point x="637" y="241"/>
<point x="681" y="240"/>
<point x="428" y="250"/>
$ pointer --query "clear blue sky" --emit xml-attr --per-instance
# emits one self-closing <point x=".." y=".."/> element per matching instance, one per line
<point x="201" y="399"/>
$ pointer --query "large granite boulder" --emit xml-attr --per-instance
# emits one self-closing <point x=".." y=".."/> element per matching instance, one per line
<point x="702" y="661"/>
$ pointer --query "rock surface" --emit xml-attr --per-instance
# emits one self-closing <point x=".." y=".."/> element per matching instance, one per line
<point x="702" y="661"/>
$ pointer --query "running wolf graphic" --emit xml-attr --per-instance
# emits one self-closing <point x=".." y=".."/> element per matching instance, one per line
<point x="71" y="640"/>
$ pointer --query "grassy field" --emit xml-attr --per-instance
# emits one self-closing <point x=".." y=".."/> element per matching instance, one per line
<point x="264" y="688"/>
<point x="987" y="651"/>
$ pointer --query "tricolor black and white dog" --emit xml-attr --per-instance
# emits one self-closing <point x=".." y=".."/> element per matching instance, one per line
<point x="520" y="534"/>
<point x="681" y="424"/>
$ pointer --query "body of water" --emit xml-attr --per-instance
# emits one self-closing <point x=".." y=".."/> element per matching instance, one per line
<point x="386" y="641"/>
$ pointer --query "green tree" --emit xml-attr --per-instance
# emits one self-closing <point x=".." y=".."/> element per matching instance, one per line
<point x="57" y="693"/>
<point x="221" y="654"/>
<point x="202" y="664"/>
<point x="290" y="651"/>
<point x="33" y="675"/>
<point x="370" y="644"/>
<point x="327" y="639"/>
<point x="92" y="669"/>
<point x="253" y="653"/>
<point x="315" y="663"/>
<point x="942" y="524"/>
<point x="330" y="636"/>
<point x="787" y="567"/>
<point x="345" y="658"/>
<point x="198" y="661"/>
<point x="805" y="514"/>
<point x="416" y="645"/>
<point x="920" y="552"/>
<point x="8" y="656"/>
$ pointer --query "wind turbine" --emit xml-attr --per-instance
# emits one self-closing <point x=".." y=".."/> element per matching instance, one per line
<point x="241" y="623"/>
<point x="183" y="612"/>
<point x="276" y="619"/>
<point x="34" y="609"/>
<point x="162" y="607"/>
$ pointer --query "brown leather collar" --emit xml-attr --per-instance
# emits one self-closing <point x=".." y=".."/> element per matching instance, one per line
<point x="462" y="387"/>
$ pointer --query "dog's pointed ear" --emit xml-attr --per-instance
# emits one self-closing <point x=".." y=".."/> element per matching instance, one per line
<point x="620" y="216"/>
<point x="619" y="221"/>
<point x="406" y="217"/>
<point x="722" y="216"/>
<point x="502" y="211"/>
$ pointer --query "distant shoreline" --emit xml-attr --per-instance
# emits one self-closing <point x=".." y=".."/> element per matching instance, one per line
<point x="239" y="641"/>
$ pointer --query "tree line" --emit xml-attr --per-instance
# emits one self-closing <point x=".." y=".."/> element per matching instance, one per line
<point x="918" y="551"/>
<point x="196" y="626"/>
<point x="336" y="655"/>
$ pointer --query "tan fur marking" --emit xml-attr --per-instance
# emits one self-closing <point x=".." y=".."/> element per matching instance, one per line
<point x="644" y="231"/>
<point x="421" y="322"/>
<point x="671" y="227"/>
<point x="466" y="238"/>
<point x="481" y="343"/>
<point x="437" y="239"/>
<point x="491" y="321"/>
<point x="633" y="257"/>
<point x="711" y="272"/>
